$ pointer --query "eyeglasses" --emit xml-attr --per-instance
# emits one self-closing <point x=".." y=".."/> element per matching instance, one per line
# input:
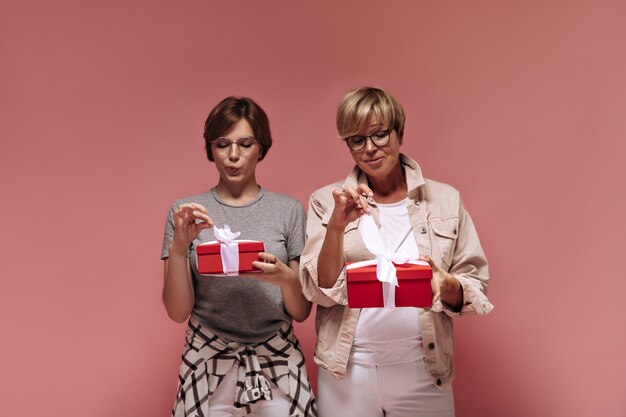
<point x="379" y="139"/>
<point x="224" y="145"/>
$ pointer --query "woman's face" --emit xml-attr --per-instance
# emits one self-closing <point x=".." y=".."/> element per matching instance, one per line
<point x="377" y="162"/>
<point x="236" y="155"/>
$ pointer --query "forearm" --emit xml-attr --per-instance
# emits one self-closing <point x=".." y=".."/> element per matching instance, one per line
<point x="296" y="305"/>
<point x="178" y="296"/>
<point x="330" y="261"/>
<point x="469" y="269"/>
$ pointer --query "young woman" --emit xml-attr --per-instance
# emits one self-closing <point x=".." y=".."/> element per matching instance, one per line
<point x="241" y="356"/>
<point x="393" y="362"/>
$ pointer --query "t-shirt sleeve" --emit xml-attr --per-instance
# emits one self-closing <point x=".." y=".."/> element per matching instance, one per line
<point x="295" y="231"/>
<point x="169" y="231"/>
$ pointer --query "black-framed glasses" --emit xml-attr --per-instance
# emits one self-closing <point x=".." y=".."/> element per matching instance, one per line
<point x="379" y="139"/>
<point x="223" y="145"/>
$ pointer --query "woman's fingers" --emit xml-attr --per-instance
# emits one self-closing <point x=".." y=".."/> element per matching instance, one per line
<point x="273" y="271"/>
<point x="193" y="206"/>
<point x="266" y="267"/>
<point x="337" y="194"/>
<point x="348" y="196"/>
<point x="202" y="226"/>
<point x="431" y="262"/>
<point x="189" y="212"/>
<point x="269" y="264"/>
<point x="352" y="196"/>
<point x="363" y="203"/>
<point x="350" y="203"/>
<point x="268" y="257"/>
<point x="364" y="190"/>
<point x="202" y="216"/>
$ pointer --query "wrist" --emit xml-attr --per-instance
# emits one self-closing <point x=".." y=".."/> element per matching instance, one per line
<point x="335" y="226"/>
<point x="451" y="288"/>
<point x="177" y="249"/>
<point x="290" y="282"/>
<point x="452" y="292"/>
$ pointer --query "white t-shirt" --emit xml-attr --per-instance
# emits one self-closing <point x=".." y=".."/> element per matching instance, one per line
<point x="390" y="335"/>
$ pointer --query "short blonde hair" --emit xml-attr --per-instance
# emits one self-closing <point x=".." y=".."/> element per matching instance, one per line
<point x="357" y="106"/>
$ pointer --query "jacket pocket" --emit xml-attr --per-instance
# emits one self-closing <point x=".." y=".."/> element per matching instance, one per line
<point x="446" y="233"/>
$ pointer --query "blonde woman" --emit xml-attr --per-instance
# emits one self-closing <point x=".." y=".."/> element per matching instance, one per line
<point x="393" y="362"/>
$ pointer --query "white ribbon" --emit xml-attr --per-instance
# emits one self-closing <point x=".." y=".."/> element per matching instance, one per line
<point x="385" y="270"/>
<point x="229" y="249"/>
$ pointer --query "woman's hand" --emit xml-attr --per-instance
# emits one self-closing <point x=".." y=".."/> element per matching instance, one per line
<point x="446" y="285"/>
<point x="185" y="227"/>
<point x="178" y="295"/>
<point x="274" y="271"/>
<point x="287" y="278"/>
<point x="350" y="204"/>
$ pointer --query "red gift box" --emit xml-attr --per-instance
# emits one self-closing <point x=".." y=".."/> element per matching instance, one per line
<point x="414" y="290"/>
<point x="210" y="258"/>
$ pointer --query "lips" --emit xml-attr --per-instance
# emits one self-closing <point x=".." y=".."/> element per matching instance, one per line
<point x="375" y="162"/>
<point x="232" y="170"/>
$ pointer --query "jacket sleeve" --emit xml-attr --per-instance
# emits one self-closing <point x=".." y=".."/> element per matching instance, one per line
<point x="469" y="265"/>
<point x="317" y="218"/>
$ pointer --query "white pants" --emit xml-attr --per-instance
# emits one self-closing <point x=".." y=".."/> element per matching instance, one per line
<point x="221" y="403"/>
<point x="403" y="390"/>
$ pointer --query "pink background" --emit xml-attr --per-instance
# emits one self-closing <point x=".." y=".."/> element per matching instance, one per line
<point x="520" y="105"/>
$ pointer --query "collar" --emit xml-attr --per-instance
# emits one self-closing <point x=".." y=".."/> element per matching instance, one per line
<point x="412" y="171"/>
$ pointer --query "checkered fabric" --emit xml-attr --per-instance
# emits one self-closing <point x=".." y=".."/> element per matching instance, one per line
<point x="207" y="359"/>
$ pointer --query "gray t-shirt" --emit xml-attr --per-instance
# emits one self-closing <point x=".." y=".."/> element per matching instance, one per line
<point x="244" y="309"/>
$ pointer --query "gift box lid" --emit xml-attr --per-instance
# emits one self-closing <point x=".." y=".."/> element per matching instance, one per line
<point x="403" y="271"/>
<point x="244" y="246"/>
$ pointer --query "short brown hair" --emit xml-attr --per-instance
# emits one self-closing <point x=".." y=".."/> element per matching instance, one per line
<point x="357" y="106"/>
<point x="230" y="111"/>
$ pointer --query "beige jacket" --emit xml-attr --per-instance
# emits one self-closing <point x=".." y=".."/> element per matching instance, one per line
<point x="442" y="229"/>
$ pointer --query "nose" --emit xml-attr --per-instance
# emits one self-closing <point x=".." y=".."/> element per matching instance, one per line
<point x="369" y="145"/>
<point x="233" y="152"/>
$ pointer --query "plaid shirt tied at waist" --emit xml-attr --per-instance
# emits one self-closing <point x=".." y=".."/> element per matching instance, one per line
<point x="208" y="358"/>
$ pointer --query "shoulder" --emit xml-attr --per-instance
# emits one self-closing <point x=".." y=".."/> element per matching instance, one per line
<point x="440" y="194"/>
<point x="281" y="201"/>
<point x="204" y="199"/>
<point x="436" y="188"/>
<point x="321" y="200"/>
<point x="326" y="193"/>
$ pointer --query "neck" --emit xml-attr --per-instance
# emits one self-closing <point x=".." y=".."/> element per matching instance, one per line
<point x="237" y="193"/>
<point x="390" y="188"/>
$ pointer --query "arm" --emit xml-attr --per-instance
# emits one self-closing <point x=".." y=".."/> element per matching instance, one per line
<point x="178" y="296"/>
<point x="446" y="286"/>
<point x="330" y="260"/>
<point x="463" y="287"/>
<point x="287" y="276"/>
<point x="288" y="279"/>
<point x="350" y="204"/>
<point x="328" y="289"/>
<point x="297" y="306"/>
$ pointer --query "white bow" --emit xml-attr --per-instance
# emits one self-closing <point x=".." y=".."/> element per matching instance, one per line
<point x="385" y="270"/>
<point x="229" y="249"/>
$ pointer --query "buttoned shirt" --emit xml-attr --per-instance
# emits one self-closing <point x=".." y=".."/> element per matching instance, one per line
<point x="442" y="228"/>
